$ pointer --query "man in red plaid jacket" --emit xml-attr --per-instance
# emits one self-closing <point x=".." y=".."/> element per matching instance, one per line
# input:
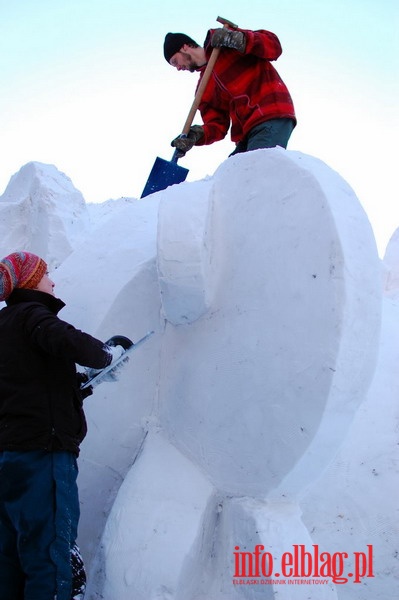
<point x="244" y="90"/>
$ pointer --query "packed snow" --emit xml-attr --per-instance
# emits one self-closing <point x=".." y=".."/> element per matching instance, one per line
<point x="263" y="411"/>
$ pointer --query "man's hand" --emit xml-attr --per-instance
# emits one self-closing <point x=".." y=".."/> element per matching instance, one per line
<point x="183" y="144"/>
<point x="229" y="39"/>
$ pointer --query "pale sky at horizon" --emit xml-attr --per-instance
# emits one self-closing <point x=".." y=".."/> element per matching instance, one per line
<point x="85" y="87"/>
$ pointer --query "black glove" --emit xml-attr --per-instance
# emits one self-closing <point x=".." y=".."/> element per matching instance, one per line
<point x="184" y="144"/>
<point x="82" y="378"/>
<point x="229" y="39"/>
<point x="86" y="392"/>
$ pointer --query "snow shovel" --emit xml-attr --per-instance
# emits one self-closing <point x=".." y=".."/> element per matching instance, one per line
<point x="165" y="173"/>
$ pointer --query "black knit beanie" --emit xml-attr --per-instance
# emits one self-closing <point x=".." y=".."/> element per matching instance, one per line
<point x="174" y="42"/>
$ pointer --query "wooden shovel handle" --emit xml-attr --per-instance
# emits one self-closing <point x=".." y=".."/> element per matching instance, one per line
<point x="200" y="90"/>
<point x="204" y="81"/>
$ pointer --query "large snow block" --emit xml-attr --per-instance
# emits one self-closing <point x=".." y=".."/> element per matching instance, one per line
<point x="147" y="536"/>
<point x="237" y="524"/>
<point x="261" y="388"/>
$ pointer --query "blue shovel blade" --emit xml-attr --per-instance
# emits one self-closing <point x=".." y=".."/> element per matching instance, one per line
<point x="163" y="174"/>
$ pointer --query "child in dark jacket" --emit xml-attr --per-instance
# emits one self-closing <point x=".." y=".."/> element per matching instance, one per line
<point x="42" y="424"/>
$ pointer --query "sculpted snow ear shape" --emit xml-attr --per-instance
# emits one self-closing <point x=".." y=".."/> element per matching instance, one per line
<point x="280" y="363"/>
<point x="186" y="273"/>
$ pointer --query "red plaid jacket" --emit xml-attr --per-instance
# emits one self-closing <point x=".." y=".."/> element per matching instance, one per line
<point x="244" y="88"/>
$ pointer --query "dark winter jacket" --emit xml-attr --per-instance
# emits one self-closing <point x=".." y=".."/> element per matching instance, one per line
<point x="244" y="88"/>
<point x="40" y="401"/>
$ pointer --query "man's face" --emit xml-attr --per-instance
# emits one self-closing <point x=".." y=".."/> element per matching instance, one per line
<point x="183" y="60"/>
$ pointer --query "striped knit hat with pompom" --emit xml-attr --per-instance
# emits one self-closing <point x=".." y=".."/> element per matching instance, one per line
<point x="20" y="270"/>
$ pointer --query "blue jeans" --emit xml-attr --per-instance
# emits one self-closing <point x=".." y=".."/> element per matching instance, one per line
<point x="269" y="134"/>
<point x="39" y="514"/>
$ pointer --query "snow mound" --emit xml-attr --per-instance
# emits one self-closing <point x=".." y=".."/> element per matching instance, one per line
<point x="42" y="212"/>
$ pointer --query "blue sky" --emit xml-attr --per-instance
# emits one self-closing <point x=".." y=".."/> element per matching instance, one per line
<point x="85" y="87"/>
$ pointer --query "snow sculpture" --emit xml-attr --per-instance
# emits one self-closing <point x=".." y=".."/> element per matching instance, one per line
<point x="269" y="282"/>
<point x="262" y="285"/>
